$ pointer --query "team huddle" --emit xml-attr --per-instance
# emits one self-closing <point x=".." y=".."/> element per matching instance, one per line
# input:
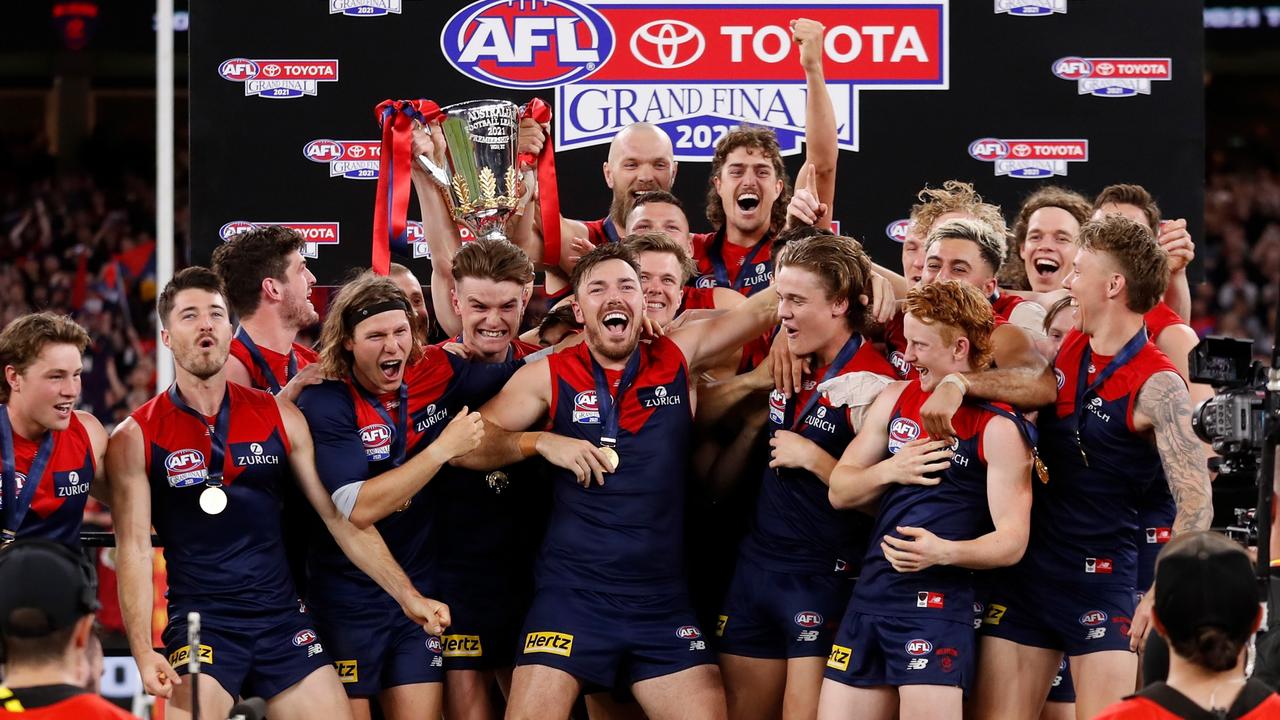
<point x="959" y="474"/>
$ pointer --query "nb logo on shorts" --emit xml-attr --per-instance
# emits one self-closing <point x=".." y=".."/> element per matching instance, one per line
<point x="183" y="654"/>
<point x="720" y="623"/>
<point x="839" y="657"/>
<point x="462" y="646"/>
<point x="995" y="614"/>
<point x="549" y="642"/>
<point x="348" y="670"/>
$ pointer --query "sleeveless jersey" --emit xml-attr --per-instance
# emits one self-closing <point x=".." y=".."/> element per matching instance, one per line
<point x="796" y="530"/>
<point x="602" y="231"/>
<point x="233" y="562"/>
<point x="1085" y="519"/>
<point x="354" y="443"/>
<point x="1160" y="317"/>
<point x="954" y="509"/>
<point x="277" y="362"/>
<point x="1004" y="303"/>
<point x="625" y="537"/>
<point x="490" y="536"/>
<point x="697" y="298"/>
<point x="748" y="275"/>
<point x="57" y="507"/>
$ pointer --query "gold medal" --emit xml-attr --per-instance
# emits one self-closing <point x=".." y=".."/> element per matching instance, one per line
<point x="1042" y="472"/>
<point x="213" y="500"/>
<point x="612" y="454"/>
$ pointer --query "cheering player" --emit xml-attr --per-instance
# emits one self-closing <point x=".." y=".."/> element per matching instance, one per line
<point x="204" y="463"/>
<point x="1073" y="592"/>
<point x="51" y="452"/>
<point x="268" y="286"/>
<point x="906" y="645"/>
<point x="611" y="602"/>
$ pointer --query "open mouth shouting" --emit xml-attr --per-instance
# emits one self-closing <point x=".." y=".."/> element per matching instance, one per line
<point x="615" y="324"/>
<point x="1045" y="267"/>
<point x="391" y="369"/>
<point x="748" y="201"/>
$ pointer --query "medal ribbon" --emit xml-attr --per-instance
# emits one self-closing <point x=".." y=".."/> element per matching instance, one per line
<point x="1127" y="353"/>
<point x="16" y="507"/>
<point x="401" y="422"/>
<point x="548" y="186"/>
<point x="217" y="432"/>
<point x="1029" y="433"/>
<point x="610" y="230"/>
<point x="272" y="384"/>
<point x="791" y="420"/>
<point x="391" y="208"/>
<point x="610" y="417"/>
<point x="716" y="256"/>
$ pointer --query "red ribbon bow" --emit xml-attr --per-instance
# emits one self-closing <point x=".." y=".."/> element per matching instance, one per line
<point x="391" y="209"/>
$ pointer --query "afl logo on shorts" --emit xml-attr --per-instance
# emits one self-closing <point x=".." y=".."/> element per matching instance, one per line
<point x="808" y="619"/>
<point x="1093" y="618"/>
<point x="433" y="644"/>
<point x="585" y="410"/>
<point x="919" y="647"/>
<point x="377" y="441"/>
<point x="688" y="632"/>
<point x="304" y="637"/>
<point x="185" y="468"/>
<point x="901" y="432"/>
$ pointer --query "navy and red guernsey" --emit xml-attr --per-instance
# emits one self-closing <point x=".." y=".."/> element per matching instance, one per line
<point x="1002" y="304"/>
<point x="796" y="530"/>
<point x="56" y="510"/>
<point x="697" y="298"/>
<point x="746" y="270"/>
<point x="954" y="509"/>
<point x="358" y="437"/>
<point x="627" y="536"/>
<point x="1160" y="317"/>
<point x="231" y="563"/>
<point x="1085" y="519"/>
<point x="278" y="365"/>
<point x="602" y="231"/>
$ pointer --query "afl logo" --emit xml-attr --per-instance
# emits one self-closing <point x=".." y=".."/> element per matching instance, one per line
<point x="1060" y="377"/>
<point x="433" y="644"/>
<point x="667" y="44"/>
<point x="903" y="431"/>
<point x="234" y="228"/>
<point x="304" y="637"/>
<point x="585" y="410"/>
<point x="182" y="461"/>
<point x="537" y="44"/>
<point x="375" y="436"/>
<point x="897" y="230"/>
<point x="919" y="647"/>
<point x="705" y="281"/>
<point x="899" y="363"/>
<point x="1093" y="618"/>
<point x="988" y="149"/>
<point x="1073" y="68"/>
<point x="808" y="619"/>
<point x="688" y="632"/>
<point x="238" y="69"/>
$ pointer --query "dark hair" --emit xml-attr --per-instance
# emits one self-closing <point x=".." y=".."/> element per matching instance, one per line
<point x="1142" y="262"/>
<point x="24" y="339"/>
<point x="1136" y="195"/>
<point x="1211" y="648"/>
<point x="601" y="254"/>
<point x="754" y="138"/>
<point x="659" y="243"/>
<point x="496" y="260"/>
<point x="799" y="232"/>
<point x="841" y="266"/>
<point x="990" y="242"/>
<point x="1058" y="306"/>
<point x="656" y="196"/>
<point x="1014" y="273"/>
<point x="41" y="650"/>
<point x="192" y="278"/>
<point x="247" y="259"/>
<point x="562" y="315"/>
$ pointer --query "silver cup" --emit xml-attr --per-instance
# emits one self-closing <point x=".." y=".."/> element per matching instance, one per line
<point x="480" y="179"/>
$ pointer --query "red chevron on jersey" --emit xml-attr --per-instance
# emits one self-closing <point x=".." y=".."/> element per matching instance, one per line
<point x="1160" y="317"/>
<point x="278" y="362"/>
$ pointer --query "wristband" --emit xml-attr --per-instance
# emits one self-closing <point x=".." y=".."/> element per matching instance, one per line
<point x="528" y="444"/>
<point x="958" y="380"/>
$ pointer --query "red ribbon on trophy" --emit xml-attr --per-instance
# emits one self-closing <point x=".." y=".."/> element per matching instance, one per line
<point x="395" y="168"/>
<point x="548" y="187"/>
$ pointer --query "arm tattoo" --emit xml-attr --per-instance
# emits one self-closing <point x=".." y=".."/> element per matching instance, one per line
<point x="1166" y="401"/>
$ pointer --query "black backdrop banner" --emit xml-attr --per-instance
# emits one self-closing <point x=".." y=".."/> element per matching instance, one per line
<point x="1007" y="94"/>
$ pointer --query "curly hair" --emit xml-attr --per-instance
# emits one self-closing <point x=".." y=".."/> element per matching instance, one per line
<point x="751" y="137"/>
<point x="954" y="196"/>
<point x="247" y="259"/>
<point x="1142" y="262"/>
<point x="962" y="310"/>
<point x="1014" y="273"/>
<point x="25" y="338"/>
<point x="840" y="264"/>
<point x="368" y="288"/>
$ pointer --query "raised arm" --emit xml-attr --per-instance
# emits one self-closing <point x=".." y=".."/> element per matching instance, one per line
<point x="364" y="546"/>
<point x="1165" y="404"/>
<point x="820" y="138"/>
<point x="707" y="339"/>
<point x="131" y="517"/>
<point x="441" y="232"/>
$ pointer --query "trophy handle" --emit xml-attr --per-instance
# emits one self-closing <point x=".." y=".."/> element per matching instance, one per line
<point x="436" y="172"/>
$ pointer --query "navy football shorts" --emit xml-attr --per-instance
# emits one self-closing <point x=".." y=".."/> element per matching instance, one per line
<point x="485" y="629"/>
<point x="377" y="647"/>
<point x="1063" y="689"/>
<point x="771" y="614"/>
<point x="877" y="650"/>
<point x="605" y="639"/>
<point x="1077" y="620"/>
<point x="260" y="655"/>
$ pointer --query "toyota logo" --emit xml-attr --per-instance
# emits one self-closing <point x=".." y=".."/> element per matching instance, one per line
<point x="271" y="70"/>
<point x="1021" y="150"/>
<point x="355" y="151"/>
<point x="664" y="43"/>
